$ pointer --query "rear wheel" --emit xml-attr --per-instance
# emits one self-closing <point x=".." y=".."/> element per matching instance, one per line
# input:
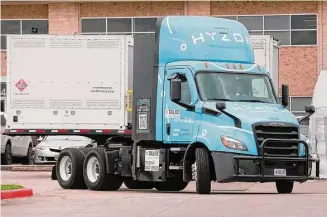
<point x="135" y="184"/>
<point x="284" y="186"/>
<point x="6" y="158"/>
<point x="94" y="172"/>
<point x="69" y="169"/>
<point x="202" y="171"/>
<point x="171" y="184"/>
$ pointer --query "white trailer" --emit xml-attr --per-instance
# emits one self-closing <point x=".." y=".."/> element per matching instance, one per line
<point x="69" y="82"/>
<point x="266" y="53"/>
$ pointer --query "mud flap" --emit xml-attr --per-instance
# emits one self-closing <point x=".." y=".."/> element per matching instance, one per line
<point x="53" y="173"/>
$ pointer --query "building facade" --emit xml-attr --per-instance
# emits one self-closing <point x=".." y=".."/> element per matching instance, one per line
<point x="301" y="28"/>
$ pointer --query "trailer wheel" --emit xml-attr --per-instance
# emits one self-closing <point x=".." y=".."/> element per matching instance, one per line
<point x="202" y="171"/>
<point x="135" y="184"/>
<point x="171" y="184"/>
<point x="94" y="172"/>
<point x="284" y="186"/>
<point x="69" y="169"/>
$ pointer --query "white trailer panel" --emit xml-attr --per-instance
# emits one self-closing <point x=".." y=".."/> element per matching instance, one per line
<point x="68" y="82"/>
<point x="266" y="53"/>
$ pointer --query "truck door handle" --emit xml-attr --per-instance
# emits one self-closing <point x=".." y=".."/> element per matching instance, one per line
<point x="168" y="128"/>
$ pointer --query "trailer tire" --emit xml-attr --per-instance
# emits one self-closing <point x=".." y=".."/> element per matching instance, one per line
<point x="171" y="184"/>
<point x="94" y="172"/>
<point x="70" y="159"/>
<point x="203" y="180"/>
<point x="135" y="184"/>
<point x="284" y="186"/>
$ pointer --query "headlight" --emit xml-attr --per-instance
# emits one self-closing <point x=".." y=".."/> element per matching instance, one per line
<point x="233" y="143"/>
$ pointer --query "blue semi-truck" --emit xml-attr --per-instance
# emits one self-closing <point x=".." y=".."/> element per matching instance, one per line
<point x="196" y="107"/>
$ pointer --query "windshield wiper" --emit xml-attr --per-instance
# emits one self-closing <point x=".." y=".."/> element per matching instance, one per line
<point x="253" y="100"/>
<point x="220" y="99"/>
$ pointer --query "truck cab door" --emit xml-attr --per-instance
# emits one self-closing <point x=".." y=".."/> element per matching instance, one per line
<point x="179" y="115"/>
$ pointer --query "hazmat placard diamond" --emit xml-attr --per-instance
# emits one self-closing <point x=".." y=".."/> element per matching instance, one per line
<point x="21" y="85"/>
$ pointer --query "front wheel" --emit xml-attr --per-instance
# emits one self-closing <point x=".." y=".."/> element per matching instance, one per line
<point x="202" y="171"/>
<point x="95" y="175"/>
<point x="284" y="186"/>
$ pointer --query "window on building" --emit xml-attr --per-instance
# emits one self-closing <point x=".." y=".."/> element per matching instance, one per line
<point x="22" y="27"/>
<point x="119" y="26"/>
<point x="252" y="22"/>
<point x="94" y="26"/>
<point x="297" y="29"/>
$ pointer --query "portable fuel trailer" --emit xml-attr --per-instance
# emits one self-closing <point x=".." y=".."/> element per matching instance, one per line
<point x="186" y="104"/>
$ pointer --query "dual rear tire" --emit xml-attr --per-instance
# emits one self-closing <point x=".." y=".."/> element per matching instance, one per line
<point x="85" y="168"/>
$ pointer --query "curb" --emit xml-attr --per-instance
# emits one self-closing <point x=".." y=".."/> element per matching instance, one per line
<point x="10" y="194"/>
<point x="40" y="168"/>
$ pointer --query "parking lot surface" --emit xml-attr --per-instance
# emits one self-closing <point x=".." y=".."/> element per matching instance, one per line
<point x="226" y="200"/>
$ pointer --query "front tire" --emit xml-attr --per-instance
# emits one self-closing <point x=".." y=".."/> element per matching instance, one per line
<point x="69" y="169"/>
<point x="284" y="186"/>
<point x="203" y="180"/>
<point x="6" y="158"/>
<point x="95" y="175"/>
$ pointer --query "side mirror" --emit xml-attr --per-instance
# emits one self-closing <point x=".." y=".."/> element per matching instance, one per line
<point x="175" y="90"/>
<point x="285" y="95"/>
<point x="220" y="105"/>
<point x="3" y="121"/>
<point x="310" y="109"/>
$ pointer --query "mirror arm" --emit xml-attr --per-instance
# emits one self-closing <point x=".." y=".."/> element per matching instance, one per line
<point x="237" y="121"/>
<point x="305" y="117"/>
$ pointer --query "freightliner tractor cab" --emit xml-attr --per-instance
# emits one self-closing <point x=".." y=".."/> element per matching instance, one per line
<point x="203" y="111"/>
<point x="211" y="97"/>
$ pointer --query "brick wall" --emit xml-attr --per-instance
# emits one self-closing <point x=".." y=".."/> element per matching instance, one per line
<point x="322" y="36"/>
<point x="197" y="8"/>
<point x="126" y="9"/>
<point x="65" y="19"/>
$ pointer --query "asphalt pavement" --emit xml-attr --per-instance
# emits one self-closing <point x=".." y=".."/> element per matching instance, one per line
<point x="226" y="200"/>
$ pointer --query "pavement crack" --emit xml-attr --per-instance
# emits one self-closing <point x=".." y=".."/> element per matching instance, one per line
<point x="171" y="207"/>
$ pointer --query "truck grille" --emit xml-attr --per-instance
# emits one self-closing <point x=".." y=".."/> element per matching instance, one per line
<point x="275" y="149"/>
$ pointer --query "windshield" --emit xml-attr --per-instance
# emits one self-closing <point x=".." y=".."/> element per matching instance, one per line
<point x="235" y="87"/>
